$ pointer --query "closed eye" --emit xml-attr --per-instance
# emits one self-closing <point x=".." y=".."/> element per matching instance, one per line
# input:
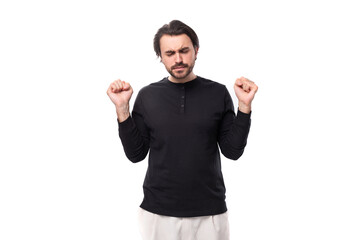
<point x="169" y="53"/>
<point x="184" y="50"/>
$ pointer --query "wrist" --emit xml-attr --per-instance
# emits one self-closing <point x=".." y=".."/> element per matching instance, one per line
<point x="244" y="108"/>
<point x="122" y="112"/>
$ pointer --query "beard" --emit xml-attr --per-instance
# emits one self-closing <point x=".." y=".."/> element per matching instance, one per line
<point x="181" y="74"/>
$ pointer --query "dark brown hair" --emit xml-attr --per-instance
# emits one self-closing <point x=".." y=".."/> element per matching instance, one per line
<point x="175" y="27"/>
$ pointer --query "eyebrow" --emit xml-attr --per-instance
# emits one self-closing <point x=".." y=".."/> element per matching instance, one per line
<point x="184" y="48"/>
<point x="181" y="50"/>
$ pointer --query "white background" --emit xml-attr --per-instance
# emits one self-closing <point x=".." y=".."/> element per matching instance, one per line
<point x="63" y="172"/>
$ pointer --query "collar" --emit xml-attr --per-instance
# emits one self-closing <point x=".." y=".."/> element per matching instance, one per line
<point x="179" y="85"/>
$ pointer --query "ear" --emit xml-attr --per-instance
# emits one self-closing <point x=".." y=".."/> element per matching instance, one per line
<point x="196" y="52"/>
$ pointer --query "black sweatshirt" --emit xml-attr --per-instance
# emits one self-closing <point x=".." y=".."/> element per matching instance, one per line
<point x="182" y="125"/>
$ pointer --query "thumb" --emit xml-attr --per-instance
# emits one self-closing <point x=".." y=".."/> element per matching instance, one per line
<point x="238" y="82"/>
<point x="237" y="87"/>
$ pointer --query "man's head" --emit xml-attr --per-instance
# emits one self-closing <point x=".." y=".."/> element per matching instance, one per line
<point x="177" y="45"/>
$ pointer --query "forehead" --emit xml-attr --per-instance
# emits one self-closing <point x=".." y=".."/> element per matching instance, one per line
<point x="174" y="42"/>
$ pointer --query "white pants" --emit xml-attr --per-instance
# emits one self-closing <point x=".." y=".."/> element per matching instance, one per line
<point x="158" y="227"/>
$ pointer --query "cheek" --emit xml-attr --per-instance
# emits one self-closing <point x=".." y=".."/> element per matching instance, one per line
<point x="190" y="58"/>
<point x="167" y="62"/>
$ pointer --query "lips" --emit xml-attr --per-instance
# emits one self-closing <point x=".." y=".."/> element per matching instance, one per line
<point x="179" y="67"/>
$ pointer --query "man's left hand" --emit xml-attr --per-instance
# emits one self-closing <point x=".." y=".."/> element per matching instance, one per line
<point x="245" y="92"/>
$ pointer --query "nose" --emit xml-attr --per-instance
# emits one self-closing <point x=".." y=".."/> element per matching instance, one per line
<point x="178" y="58"/>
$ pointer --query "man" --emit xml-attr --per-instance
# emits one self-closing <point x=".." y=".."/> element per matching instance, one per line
<point x="182" y="119"/>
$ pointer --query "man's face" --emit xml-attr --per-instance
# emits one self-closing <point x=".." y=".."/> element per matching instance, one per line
<point x="178" y="55"/>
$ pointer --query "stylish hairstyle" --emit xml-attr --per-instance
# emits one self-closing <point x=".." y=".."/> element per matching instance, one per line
<point x="175" y="27"/>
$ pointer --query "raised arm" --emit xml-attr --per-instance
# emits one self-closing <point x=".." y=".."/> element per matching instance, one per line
<point x="234" y="130"/>
<point x="132" y="130"/>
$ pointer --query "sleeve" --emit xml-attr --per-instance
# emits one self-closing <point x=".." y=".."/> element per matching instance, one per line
<point x="233" y="130"/>
<point x="134" y="134"/>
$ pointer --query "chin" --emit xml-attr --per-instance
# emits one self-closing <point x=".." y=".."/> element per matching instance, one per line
<point x="180" y="76"/>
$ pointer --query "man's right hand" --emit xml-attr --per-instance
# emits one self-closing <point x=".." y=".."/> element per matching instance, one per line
<point x="120" y="93"/>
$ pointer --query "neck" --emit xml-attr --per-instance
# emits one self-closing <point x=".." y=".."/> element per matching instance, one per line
<point x="188" y="78"/>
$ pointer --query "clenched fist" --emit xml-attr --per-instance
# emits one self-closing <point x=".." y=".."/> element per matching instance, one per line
<point x="120" y="93"/>
<point x="245" y="92"/>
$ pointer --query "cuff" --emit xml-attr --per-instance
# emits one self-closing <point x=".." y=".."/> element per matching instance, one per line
<point x="124" y="124"/>
<point x="242" y="118"/>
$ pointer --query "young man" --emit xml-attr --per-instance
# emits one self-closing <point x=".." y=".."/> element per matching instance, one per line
<point x="182" y="119"/>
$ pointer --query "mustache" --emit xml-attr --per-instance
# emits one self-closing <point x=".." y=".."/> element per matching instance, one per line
<point x="179" y="65"/>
